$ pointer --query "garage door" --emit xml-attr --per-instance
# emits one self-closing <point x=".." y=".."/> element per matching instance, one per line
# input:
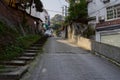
<point x="111" y="39"/>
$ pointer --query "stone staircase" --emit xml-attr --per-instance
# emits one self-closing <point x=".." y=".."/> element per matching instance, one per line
<point x="18" y="66"/>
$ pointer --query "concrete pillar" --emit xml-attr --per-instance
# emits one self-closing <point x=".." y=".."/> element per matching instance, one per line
<point x="98" y="37"/>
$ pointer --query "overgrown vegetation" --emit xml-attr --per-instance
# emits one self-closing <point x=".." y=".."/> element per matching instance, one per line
<point x="89" y="32"/>
<point x="57" y="23"/>
<point x="28" y="3"/>
<point x="77" y="10"/>
<point x="12" y="44"/>
<point x="79" y="18"/>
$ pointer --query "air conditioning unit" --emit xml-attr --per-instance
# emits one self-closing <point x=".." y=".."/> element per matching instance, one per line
<point x="105" y="1"/>
<point x="101" y="19"/>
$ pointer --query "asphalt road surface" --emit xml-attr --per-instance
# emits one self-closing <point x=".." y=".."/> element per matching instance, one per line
<point x="64" y="61"/>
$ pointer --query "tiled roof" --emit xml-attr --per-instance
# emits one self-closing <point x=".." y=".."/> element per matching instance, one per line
<point x="15" y="16"/>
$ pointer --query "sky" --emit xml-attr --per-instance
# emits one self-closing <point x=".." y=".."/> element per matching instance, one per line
<point x="54" y="6"/>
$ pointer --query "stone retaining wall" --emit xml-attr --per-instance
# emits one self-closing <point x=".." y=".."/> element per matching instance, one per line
<point x="109" y="51"/>
<point x="81" y="42"/>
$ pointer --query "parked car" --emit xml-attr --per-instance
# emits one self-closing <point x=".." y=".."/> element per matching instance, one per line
<point x="48" y="33"/>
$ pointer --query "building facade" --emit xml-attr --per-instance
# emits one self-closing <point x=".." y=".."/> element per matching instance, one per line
<point x="44" y="16"/>
<point x="105" y="17"/>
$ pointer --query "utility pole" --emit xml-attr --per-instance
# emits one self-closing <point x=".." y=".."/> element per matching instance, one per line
<point x="64" y="13"/>
<point x="64" y="10"/>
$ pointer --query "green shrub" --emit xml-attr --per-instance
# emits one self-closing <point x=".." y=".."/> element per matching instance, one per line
<point x="26" y="41"/>
<point x="12" y="44"/>
<point x="15" y="49"/>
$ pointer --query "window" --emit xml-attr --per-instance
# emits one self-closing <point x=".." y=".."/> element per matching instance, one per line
<point x="118" y="11"/>
<point x="110" y="13"/>
<point x="113" y="12"/>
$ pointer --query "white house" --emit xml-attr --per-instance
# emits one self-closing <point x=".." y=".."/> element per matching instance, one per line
<point x="105" y="17"/>
<point x="44" y="16"/>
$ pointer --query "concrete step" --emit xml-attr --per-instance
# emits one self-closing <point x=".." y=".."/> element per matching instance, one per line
<point x="14" y="62"/>
<point x="26" y="58"/>
<point x="37" y="45"/>
<point x="34" y="48"/>
<point x="31" y="51"/>
<point x="30" y="54"/>
<point x="15" y="74"/>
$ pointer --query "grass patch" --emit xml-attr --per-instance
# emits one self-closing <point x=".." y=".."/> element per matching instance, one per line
<point x="13" y="50"/>
<point x="28" y="40"/>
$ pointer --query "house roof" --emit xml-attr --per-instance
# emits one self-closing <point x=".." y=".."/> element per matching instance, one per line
<point x="15" y="16"/>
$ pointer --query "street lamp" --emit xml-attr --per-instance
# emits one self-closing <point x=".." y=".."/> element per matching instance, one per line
<point x="35" y="26"/>
<point x="35" y="22"/>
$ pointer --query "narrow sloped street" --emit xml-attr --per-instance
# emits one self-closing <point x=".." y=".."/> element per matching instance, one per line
<point x="64" y="61"/>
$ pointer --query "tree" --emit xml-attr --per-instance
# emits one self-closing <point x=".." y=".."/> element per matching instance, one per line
<point x="57" y="18"/>
<point x="28" y="3"/>
<point x="38" y="5"/>
<point x="77" y="11"/>
<point x="57" y="21"/>
<point x="77" y="18"/>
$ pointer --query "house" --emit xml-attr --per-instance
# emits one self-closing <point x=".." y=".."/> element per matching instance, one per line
<point x="44" y="16"/>
<point x="46" y="19"/>
<point x="15" y="17"/>
<point x="11" y="2"/>
<point x="105" y="17"/>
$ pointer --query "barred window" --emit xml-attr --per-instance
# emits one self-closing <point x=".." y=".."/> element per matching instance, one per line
<point x="113" y="12"/>
<point x="110" y="13"/>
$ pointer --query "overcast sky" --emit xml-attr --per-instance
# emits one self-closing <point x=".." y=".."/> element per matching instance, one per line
<point x="54" y="6"/>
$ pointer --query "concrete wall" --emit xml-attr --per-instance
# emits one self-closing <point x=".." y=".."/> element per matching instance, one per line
<point x="109" y="51"/>
<point x="77" y="39"/>
<point x="81" y="42"/>
<point x="84" y="43"/>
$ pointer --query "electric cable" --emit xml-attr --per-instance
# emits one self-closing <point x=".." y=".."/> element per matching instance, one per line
<point x="101" y="8"/>
<point x="53" y="11"/>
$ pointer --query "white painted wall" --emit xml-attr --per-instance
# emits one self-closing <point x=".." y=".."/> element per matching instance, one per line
<point x="97" y="37"/>
<point x="98" y="8"/>
<point x="37" y="14"/>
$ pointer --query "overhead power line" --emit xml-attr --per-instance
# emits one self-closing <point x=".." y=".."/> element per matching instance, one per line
<point x="53" y="11"/>
<point x="102" y="8"/>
